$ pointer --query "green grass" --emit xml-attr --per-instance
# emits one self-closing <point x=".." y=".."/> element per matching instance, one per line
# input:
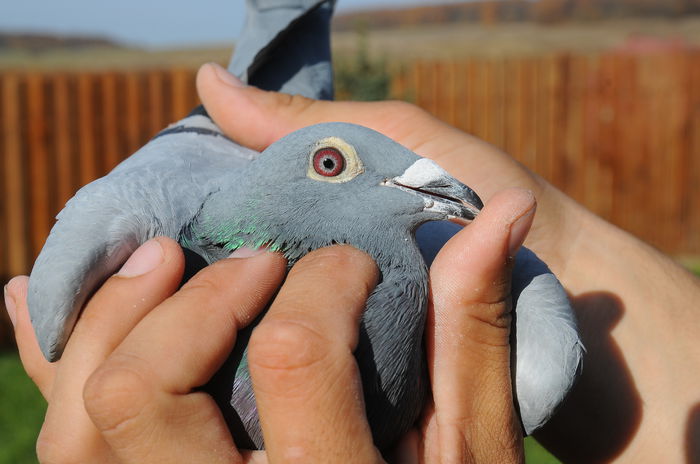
<point x="536" y="454"/>
<point x="21" y="412"/>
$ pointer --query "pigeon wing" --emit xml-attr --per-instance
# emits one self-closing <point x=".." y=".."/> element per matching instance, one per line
<point x="158" y="190"/>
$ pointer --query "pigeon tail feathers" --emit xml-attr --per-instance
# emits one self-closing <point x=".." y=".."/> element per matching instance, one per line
<point x="285" y="47"/>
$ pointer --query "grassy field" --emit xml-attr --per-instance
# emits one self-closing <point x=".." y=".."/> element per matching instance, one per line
<point x="395" y="45"/>
<point x="21" y="412"/>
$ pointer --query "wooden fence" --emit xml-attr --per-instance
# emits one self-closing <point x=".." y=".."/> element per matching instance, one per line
<point x="620" y="133"/>
<point x="59" y="131"/>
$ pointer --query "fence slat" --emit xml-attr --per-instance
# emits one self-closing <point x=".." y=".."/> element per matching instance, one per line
<point x="40" y="187"/>
<point x="63" y="140"/>
<point x="86" y="129"/>
<point x="16" y="204"/>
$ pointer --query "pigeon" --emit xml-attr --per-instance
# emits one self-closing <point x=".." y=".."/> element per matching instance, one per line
<point x="324" y="184"/>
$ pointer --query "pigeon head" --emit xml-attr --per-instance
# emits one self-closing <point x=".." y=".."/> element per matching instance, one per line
<point x="333" y="182"/>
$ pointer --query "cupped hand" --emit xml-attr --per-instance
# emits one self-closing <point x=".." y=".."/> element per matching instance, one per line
<point x="126" y="388"/>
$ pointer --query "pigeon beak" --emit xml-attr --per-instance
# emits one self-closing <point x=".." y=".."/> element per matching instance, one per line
<point x="440" y="191"/>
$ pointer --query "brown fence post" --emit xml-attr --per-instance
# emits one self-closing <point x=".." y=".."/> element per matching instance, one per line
<point x="14" y="187"/>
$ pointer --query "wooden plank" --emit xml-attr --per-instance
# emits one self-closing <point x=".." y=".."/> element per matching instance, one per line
<point x="4" y="239"/>
<point x="63" y="139"/>
<point x="40" y="186"/>
<point x="542" y="115"/>
<point x="133" y="112"/>
<point x="558" y="122"/>
<point x="573" y="179"/>
<point x="497" y="98"/>
<point x="461" y="101"/>
<point x="110" y="140"/>
<point x="438" y="91"/>
<point x="486" y="97"/>
<point x="181" y="93"/>
<point x="589" y="168"/>
<point x="86" y="128"/>
<point x="472" y="102"/>
<point x="529" y="108"/>
<point x="449" y="92"/>
<point x="156" y="113"/>
<point x="636" y="163"/>
<point x="693" y="245"/>
<point x="14" y="193"/>
<point x="518" y="104"/>
<point x="432" y="91"/>
<point x="418" y="84"/>
<point x="678" y="189"/>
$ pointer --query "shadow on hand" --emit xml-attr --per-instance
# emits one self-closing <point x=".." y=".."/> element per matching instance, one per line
<point x="603" y="411"/>
<point x="692" y="436"/>
<point x="7" y="333"/>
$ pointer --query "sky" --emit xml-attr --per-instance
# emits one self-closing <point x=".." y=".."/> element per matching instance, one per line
<point x="147" y="23"/>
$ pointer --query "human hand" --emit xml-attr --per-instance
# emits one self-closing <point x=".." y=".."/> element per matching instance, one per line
<point x="126" y="388"/>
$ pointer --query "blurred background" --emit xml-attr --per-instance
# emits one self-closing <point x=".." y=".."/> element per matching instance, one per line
<point x="601" y="97"/>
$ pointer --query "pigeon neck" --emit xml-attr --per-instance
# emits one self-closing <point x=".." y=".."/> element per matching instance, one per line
<point x="391" y="336"/>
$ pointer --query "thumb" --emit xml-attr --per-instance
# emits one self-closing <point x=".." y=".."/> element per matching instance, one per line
<point x="468" y="333"/>
<point x="255" y="118"/>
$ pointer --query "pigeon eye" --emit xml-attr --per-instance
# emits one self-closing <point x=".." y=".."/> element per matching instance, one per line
<point x="328" y="162"/>
<point x="333" y="160"/>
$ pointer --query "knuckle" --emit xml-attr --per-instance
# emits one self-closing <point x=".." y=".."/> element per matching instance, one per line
<point x="115" y="395"/>
<point x="48" y="450"/>
<point x="408" y="110"/>
<point x="337" y="259"/>
<point x="492" y="314"/>
<point x="59" y="446"/>
<point x="296" y="103"/>
<point x="286" y="346"/>
<point x="17" y="286"/>
<point x="293" y="105"/>
<point x="204" y="282"/>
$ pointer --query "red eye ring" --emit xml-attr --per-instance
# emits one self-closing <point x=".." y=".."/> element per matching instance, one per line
<point x="329" y="162"/>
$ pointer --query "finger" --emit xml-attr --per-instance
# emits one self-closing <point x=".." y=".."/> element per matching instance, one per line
<point x="150" y="275"/>
<point x="254" y="457"/>
<point x="469" y="331"/>
<point x="37" y="367"/>
<point x="306" y="381"/>
<point x="262" y="117"/>
<point x="141" y="398"/>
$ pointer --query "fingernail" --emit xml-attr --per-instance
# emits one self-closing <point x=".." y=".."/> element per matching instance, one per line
<point x="246" y="252"/>
<point x="226" y="77"/>
<point x="518" y="231"/>
<point x="10" y="306"/>
<point x="146" y="258"/>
